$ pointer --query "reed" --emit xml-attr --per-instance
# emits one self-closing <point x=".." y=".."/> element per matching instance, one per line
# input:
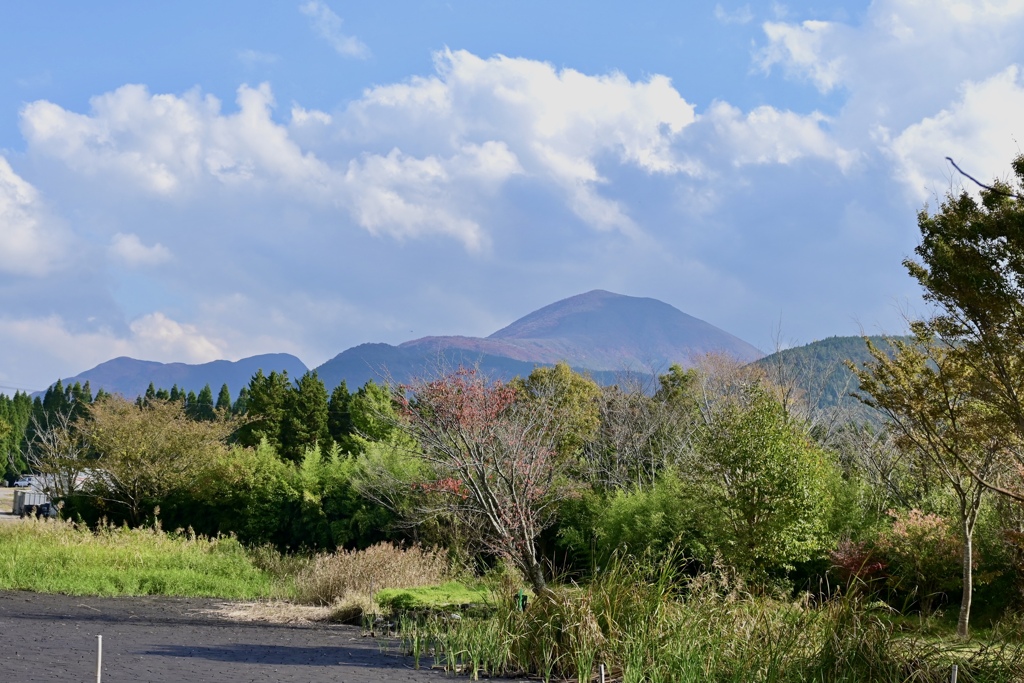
<point x="646" y="623"/>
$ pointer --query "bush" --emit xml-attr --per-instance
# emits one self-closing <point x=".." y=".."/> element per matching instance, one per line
<point x="923" y="554"/>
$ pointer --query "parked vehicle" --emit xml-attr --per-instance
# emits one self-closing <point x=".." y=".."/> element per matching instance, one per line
<point x="29" y="503"/>
<point x="24" y="482"/>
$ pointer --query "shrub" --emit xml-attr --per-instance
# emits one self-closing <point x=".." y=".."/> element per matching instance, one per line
<point x="923" y="554"/>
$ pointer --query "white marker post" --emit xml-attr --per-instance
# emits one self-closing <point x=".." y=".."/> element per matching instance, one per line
<point x="952" y="678"/>
<point x="99" y="658"/>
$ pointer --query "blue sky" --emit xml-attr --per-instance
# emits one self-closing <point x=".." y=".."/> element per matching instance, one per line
<point x="195" y="181"/>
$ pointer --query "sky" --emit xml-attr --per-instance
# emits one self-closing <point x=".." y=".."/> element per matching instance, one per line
<point x="192" y="181"/>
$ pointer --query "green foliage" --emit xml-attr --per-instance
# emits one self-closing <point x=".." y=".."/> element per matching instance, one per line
<point x="642" y="622"/>
<point x="571" y="396"/>
<point x="339" y="418"/>
<point x="304" y="422"/>
<point x="372" y="413"/>
<point x="224" y="400"/>
<point x="265" y="407"/>
<point x="639" y="522"/>
<point x="767" y="487"/>
<point x="16" y="413"/>
<point x="255" y="495"/>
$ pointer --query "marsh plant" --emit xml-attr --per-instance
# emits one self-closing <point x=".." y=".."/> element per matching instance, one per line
<point x="348" y="579"/>
<point x="645" y="623"/>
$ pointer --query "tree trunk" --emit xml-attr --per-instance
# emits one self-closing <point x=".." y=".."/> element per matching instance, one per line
<point x="535" y="573"/>
<point x="963" y="623"/>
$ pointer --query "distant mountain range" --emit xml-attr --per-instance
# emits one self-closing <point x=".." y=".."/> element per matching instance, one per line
<point x="599" y="332"/>
<point x="130" y="377"/>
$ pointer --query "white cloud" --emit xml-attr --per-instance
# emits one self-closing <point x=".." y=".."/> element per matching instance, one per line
<point x="978" y="131"/>
<point x="23" y="341"/>
<point x="769" y="136"/>
<point x="169" y="146"/>
<point x="423" y="157"/>
<point x="130" y="250"/>
<point x="560" y="125"/>
<point x="740" y="15"/>
<point x="327" y="24"/>
<point x="801" y="50"/>
<point x="154" y="335"/>
<point x="31" y="242"/>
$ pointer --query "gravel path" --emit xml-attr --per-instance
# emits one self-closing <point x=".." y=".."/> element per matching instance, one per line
<point x="53" y="638"/>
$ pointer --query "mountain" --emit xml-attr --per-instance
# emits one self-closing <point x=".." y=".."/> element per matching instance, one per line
<point x="606" y="335"/>
<point x="820" y="370"/>
<point x="130" y="377"/>
<point x="599" y="332"/>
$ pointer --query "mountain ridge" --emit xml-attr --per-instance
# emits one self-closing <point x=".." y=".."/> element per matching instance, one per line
<point x="598" y="332"/>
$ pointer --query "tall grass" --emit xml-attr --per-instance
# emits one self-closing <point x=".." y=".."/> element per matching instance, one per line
<point x="333" y="576"/>
<point x="61" y="557"/>
<point x="647" y="624"/>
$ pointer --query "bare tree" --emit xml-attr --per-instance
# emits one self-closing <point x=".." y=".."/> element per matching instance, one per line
<point x="58" y="453"/>
<point x="491" y="460"/>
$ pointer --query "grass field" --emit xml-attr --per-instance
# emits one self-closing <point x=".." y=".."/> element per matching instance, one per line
<point x="58" y="557"/>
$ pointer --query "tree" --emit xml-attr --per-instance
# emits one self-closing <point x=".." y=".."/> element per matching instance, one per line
<point x="304" y="423"/>
<point x="493" y="460"/>
<point x="339" y="417"/>
<point x="572" y="398"/>
<point x="924" y="389"/>
<point x="16" y="412"/>
<point x="202" y="408"/>
<point x="265" y="405"/>
<point x="144" y="454"/>
<point x="768" y="486"/>
<point x="972" y="268"/>
<point x="58" y="453"/>
<point x="224" y="400"/>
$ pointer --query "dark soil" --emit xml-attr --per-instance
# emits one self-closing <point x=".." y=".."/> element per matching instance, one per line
<point x="53" y="638"/>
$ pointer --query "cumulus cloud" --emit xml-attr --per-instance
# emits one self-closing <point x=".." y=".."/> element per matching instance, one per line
<point x="977" y="131"/>
<point x="800" y="50"/>
<point x="557" y="124"/>
<point x="169" y="146"/>
<point x="129" y="249"/>
<point x="767" y="135"/>
<point x="31" y="241"/>
<point x="327" y="25"/>
<point x="421" y="157"/>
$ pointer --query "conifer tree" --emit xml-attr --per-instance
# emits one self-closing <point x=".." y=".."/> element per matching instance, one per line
<point x="204" y="405"/>
<point x="305" y="420"/>
<point x="224" y="399"/>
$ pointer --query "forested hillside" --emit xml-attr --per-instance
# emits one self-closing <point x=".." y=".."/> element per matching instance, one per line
<point x="820" y="371"/>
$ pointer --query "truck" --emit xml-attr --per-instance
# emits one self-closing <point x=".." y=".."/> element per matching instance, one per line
<point x="28" y="503"/>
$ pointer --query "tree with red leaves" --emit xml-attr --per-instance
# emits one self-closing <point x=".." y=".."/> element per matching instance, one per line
<point x="492" y="455"/>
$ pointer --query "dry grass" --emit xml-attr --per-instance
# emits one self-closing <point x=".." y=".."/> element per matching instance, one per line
<point x="272" y="612"/>
<point x="355" y="576"/>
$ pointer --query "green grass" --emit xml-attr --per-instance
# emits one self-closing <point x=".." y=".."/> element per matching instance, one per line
<point x="60" y="557"/>
<point x="451" y="595"/>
